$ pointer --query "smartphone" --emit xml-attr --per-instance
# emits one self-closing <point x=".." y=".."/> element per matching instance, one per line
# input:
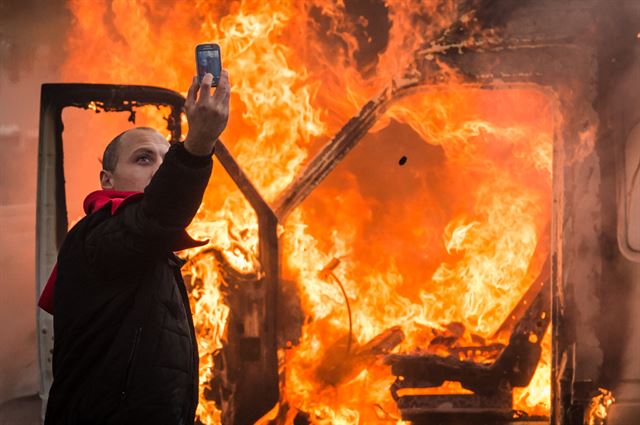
<point x="208" y="60"/>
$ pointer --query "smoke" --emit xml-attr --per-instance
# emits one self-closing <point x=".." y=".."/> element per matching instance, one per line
<point x="32" y="36"/>
<point x="619" y="103"/>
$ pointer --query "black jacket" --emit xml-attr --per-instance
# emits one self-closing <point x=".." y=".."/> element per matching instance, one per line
<point x="124" y="344"/>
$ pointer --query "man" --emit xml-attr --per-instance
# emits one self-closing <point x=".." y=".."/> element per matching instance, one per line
<point x="124" y="345"/>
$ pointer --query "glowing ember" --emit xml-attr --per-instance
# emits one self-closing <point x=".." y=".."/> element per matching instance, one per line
<point x="453" y="250"/>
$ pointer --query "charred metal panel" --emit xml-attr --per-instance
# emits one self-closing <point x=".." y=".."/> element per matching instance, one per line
<point x="246" y="368"/>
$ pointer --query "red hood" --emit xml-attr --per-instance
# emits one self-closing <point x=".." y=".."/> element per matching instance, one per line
<point x="98" y="199"/>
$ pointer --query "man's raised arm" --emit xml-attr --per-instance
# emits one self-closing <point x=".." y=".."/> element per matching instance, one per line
<point x="173" y="196"/>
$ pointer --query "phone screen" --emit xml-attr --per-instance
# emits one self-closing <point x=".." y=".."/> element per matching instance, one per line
<point x="208" y="61"/>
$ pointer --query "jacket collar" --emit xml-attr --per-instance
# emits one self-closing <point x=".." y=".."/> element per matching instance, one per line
<point x="96" y="201"/>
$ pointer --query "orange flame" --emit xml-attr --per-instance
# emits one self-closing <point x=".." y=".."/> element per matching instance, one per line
<point x="598" y="409"/>
<point x="456" y="247"/>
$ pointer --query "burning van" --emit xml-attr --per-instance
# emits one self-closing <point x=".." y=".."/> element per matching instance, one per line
<point x="443" y="232"/>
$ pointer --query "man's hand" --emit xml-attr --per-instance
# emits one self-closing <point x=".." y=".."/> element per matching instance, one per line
<point x="207" y="115"/>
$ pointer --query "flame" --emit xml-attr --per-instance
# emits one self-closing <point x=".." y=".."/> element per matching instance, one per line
<point x="501" y="186"/>
<point x="598" y="410"/>
<point x="457" y="247"/>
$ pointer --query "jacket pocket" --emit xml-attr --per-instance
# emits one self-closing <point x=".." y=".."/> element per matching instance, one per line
<point x="129" y="371"/>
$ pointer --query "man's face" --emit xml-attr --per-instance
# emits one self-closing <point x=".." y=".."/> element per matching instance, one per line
<point x="140" y="153"/>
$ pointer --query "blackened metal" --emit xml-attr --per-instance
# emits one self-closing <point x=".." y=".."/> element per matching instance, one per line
<point x="516" y="364"/>
<point x="512" y="65"/>
<point x="525" y="301"/>
<point x="337" y="364"/>
<point x="490" y="383"/>
<point x="520" y="357"/>
<point x="329" y="157"/>
<point x="115" y="98"/>
<point x="441" y="407"/>
<point x="248" y="383"/>
<point x="229" y="273"/>
<point x="62" y="223"/>
<point x="290" y="314"/>
<point x="241" y="180"/>
<point x="482" y="351"/>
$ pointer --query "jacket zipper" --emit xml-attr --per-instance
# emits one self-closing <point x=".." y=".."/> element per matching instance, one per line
<point x="192" y="339"/>
<point x="132" y="353"/>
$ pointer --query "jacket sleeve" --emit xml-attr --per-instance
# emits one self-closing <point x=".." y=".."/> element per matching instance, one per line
<point x="156" y="224"/>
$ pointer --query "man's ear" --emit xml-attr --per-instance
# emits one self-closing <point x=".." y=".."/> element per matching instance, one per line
<point x="106" y="179"/>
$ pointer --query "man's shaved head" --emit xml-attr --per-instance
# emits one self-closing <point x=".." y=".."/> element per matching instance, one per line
<point x="110" y="155"/>
<point x="131" y="159"/>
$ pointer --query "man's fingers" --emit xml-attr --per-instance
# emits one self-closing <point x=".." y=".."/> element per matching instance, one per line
<point x="193" y="91"/>
<point x="205" y="87"/>
<point x="224" y="88"/>
<point x="209" y="113"/>
<point x="224" y="75"/>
